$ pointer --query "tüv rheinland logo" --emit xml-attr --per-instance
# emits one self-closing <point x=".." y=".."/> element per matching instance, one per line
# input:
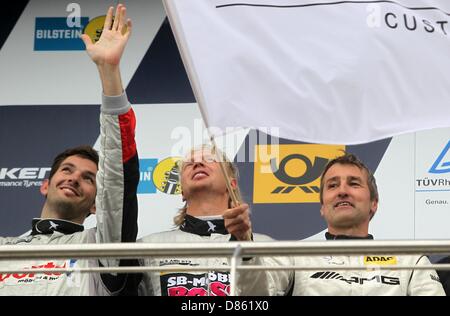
<point x="442" y="163"/>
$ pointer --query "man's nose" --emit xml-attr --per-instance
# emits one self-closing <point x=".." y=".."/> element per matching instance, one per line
<point x="74" y="178"/>
<point x="343" y="190"/>
<point x="198" y="164"/>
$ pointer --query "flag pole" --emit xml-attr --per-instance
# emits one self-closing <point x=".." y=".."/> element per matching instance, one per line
<point x="193" y="79"/>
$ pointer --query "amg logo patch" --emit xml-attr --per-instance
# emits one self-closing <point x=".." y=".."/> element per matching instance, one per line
<point x="330" y="275"/>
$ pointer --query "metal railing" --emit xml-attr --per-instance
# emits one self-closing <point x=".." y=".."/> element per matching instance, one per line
<point x="233" y="250"/>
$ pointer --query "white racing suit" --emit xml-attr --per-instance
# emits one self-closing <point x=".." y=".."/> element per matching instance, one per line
<point x="116" y="214"/>
<point x="368" y="282"/>
<point x="371" y="281"/>
<point x="202" y="283"/>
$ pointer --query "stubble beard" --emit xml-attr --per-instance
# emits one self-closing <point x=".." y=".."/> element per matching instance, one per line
<point x="67" y="210"/>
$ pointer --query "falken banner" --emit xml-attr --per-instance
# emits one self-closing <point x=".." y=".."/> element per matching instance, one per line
<point x="336" y="72"/>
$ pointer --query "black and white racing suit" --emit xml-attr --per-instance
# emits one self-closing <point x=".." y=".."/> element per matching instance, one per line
<point x="206" y="283"/>
<point x="116" y="214"/>
<point x="371" y="281"/>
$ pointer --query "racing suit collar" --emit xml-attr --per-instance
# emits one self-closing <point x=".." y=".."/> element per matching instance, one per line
<point x="329" y="236"/>
<point x="203" y="227"/>
<point x="49" y="226"/>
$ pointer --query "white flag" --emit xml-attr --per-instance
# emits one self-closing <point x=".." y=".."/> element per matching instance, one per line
<point x="337" y="72"/>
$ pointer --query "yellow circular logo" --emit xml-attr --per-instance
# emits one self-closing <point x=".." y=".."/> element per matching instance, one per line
<point x="166" y="176"/>
<point x="95" y="27"/>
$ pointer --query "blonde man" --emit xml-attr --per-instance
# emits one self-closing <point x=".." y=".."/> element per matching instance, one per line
<point x="208" y="215"/>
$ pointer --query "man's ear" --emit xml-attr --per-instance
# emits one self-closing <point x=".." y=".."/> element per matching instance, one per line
<point x="93" y="209"/>
<point x="321" y="211"/>
<point x="373" y="208"/>
<point x="44" y="187"/>
<point x="233" y="183"/>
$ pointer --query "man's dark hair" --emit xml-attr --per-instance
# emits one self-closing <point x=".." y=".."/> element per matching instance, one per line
<point x="85" y="151"/>
<point x="350" y="159"/>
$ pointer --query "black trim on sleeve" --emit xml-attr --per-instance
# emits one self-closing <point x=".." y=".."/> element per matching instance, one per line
<point x="119" y="282"/>
<point x="130" y="204"/>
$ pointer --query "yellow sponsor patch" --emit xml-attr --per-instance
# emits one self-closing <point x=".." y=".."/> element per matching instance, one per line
<point x="95" y="27"/>
<point x="291" y="173"/>
<point x="166" y="176"/>
<point x="380" y="260"/>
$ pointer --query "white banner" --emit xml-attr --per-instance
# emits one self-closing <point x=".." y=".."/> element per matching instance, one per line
<point x="342" y="72"/>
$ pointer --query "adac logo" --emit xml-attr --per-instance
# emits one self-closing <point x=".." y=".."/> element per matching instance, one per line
<point x="442" y="163"/>
<point x="380" y="260"/>
<point x="291" y="173"/>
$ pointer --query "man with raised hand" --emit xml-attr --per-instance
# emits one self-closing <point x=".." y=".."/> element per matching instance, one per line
<point x="81" y="183"/>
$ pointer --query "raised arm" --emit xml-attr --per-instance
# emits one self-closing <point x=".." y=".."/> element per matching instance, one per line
<point x="118" y="174"/>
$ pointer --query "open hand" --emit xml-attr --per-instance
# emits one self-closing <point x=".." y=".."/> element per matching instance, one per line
<point x="109" y="48"/>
